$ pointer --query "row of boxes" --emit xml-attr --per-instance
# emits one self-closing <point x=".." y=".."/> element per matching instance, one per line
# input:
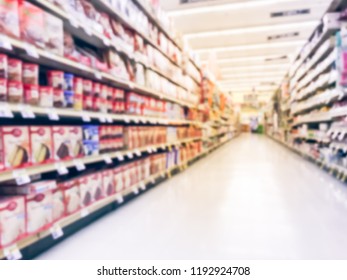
<point x="32" y="208"/>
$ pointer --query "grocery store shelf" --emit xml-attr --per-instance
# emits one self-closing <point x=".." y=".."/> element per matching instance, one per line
<point x="54" y="114"/>
<point x="314" y="118"/>
<point x="119" y="155"/>
<point x="153" y="18"/>
<point x="115" y="200"/>
<point x="43" y="57"/>
<point x="324" y="36"/>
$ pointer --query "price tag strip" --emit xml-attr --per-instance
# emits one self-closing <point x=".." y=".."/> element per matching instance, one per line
<point x="130" y="155"/>
<point x="26" y="111"/>
<point x="142" y="186"/>
<point x="5" y="111"/>
<point x="85" y="212"/>
<point x="61" y="168"/>
<point x="12" y="252"/>
<point x="86" y="117"/>
<point x="52" y="114"/>
<point x="21" y="176"/>
<point x="119" y="199"/>
<point x="135" y="190"/>
<point x="107" y="159"/>
<point x="120" y="157"/>
<point x="79" y="165"/>
<point x="138" y="153"/>
<point x="56" y="231"/>
<point x="31" y="51"/>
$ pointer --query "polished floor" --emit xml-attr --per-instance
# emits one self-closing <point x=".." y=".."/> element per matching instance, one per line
<point x="251" y="199"/>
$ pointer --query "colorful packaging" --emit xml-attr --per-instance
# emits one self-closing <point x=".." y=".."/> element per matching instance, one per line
<point x="108" y="187"/>
<point x="14" y="70"/>
<point x="31" y="94"/>
<point x="54" y="34"/>
<point x="58" y="98"/>
<point x="41" y="144"/>
<point x="86" y="191"/>
<point x="72" y="195"/>
<point x="14" y="147"/>
<point x="3" y="66"/>
<point x="118" y="179"/>
<point x="9" y="20"/>
<point x="30" y="74"/>
<point x="76" y="140"/>
<point x="32" y="25"/>
<point x="69" y="99"/>
<point x="3" y="90"/>
<point x="90" y="139"/>
<point x="58" y="205"/>
<point x="95" y="185"/>
<point x="46" y="97"/>
<point x="61" y="142"/>
<point x="15" y="92"/>
<point x="55" y="79"/>
<point x="12" y="220"/>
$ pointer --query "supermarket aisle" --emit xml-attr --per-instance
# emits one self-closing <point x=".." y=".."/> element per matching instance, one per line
<point x="251" y="199"/>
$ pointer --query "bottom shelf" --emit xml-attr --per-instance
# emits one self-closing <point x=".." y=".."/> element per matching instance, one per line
<point x="32" y="246"/>
<point x="339" y="172"/>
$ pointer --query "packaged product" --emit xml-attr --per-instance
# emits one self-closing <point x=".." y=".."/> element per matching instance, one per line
<point x="95" y="185"/>
<point x="31" y="94"/>
<point x="14" y="70"/>
<point x="56" y="79"/>
<point x="108" y="187"/>
<point x="15" y="92"/>
<point x="9" y="18"/>
<point x="61" y="142"/>
<point x="96" y="89"/>
<point x="30" y="74"/>
<point x="69" y="99"/>
<point x="14" y="147"/>
<point x="3" y="90"/>
<point x="86" y="191"/>
<point x="58" y="98"/>
<point x="54" y="34"/>
<point x="118" y="179"/>
<point x="46" y="97"/>
<point x="12" y="219"/>
<point x="78" y="93"/>
<point x="3" y="66"/>
<point x="76" y="140"/>
<point x="32" y="25"/>
<point x="90" y="139"/>
<point x="41" y="144"/>
<point x="72" y="195"/>
<point x="58" y="204"/>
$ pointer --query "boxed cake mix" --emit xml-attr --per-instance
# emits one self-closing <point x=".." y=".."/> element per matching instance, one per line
<point x="61" y="142"/>
<point x="41" y="144"/>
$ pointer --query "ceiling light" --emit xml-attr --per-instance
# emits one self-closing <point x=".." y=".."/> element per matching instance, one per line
<point x="251" y="58"/>
<point x="254" y="46"/>
<point x="256" y="67"/>
<point x="255" y="74"/>
<point x="227" y="7"/>
<point x="265" y="28"/>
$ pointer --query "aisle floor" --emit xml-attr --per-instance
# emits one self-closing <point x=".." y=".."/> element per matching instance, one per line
<point x="251" y="199"/>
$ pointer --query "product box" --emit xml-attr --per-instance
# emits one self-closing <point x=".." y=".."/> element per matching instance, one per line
<point x="46" y="97"/>
<point x="118" y="179"/>
<point x="61" y="142"/>
<point x="55" y="79"/>
<point x="9" y="18"/>
<point x="76" y="140"/>
<point x="78" y="93"/>
<point x="69" y="99"/>
<point x="95" y="185"/>
<point x="108" y="187"/>
<point x="15" y="70"/>
<point x="38" y="203"/>
<point x="3" y="90"/>
<point x="12" y="220"/>
<point x="90" y="139"/>
<point x="58" y="98"/>
<point x="58" y="205"/>
<point x="86" y="191"/>
<point x="31" y="94"/>
<point x="3" y="66"/>
<point x="15" y="92"/>
<point x="54" y="34"/>
<point x="41" y="144"/>
<point x="32" y="26"/>
<point x="14" y="147"/>
<point x="72" y="196"/>
<point x="126" y="176"/>
<point x="30" y="74"/>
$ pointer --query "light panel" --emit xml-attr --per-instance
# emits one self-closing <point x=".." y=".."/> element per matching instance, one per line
<point x="254" y="46"/>
<point x="228" y="7"/>
<point x="250" y="58"/>
<point x="276" y="67"/>
<point x="256" y="29"/>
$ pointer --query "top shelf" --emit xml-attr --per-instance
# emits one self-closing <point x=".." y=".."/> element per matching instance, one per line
<point x="149" y="14"/>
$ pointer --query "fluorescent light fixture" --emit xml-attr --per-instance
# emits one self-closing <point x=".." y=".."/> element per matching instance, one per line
<point x="251" y="58"/>
<point x="272" y="67"/>
<point x="253" y="75"/>
<point x="257" y="29"/>
<point x="227" y="7"/>
<point x="253" y="47"/>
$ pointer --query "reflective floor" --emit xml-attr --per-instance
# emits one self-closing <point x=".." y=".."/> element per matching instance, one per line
<point x="251" y="199"/>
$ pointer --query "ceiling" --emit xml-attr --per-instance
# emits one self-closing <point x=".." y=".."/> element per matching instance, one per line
<point x="248" y="42"/>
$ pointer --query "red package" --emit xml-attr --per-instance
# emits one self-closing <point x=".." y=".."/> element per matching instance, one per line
<point x="96" y="89"/>
<point x="72" y="196"/>
<point x="3" y="66"/>
<point x="55" y="79"/>
<point x="32" y="26"/>
<point x="58" y="98"/>
<point x="87" y="87"/>
<point x="108" y="187"/>
<point x="41" y="144"/>
<point x="31" y="94"/>
<point x="58" y="204"/>
<point x="15" y="70"/>
<point x="15" y="92"/>
<point x="3" y="90"/>
<point x="30" y="74"/>
<point x="46" y="97"/>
